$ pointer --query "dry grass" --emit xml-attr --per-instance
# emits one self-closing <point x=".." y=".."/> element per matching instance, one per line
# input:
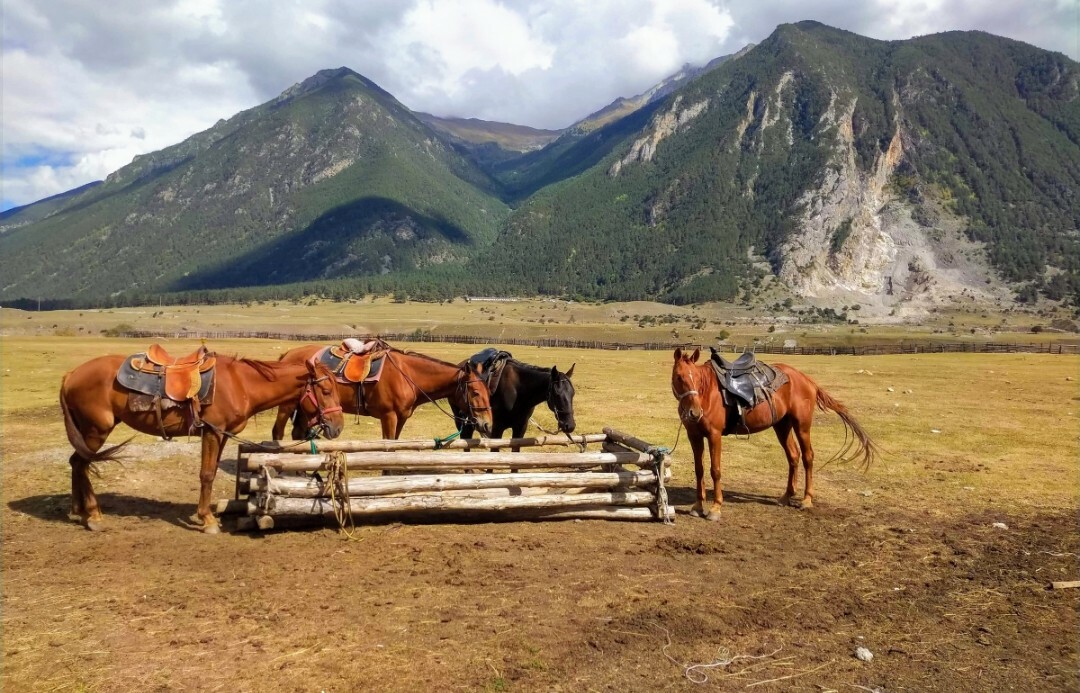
<point x="150" y="606"/>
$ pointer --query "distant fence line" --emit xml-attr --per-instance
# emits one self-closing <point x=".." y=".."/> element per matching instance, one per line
<point x="906" y="347"/>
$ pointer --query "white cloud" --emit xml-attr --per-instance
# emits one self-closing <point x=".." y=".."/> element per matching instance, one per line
<point x="85" y="90"/>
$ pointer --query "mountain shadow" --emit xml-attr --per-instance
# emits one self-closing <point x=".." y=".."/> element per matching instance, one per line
<point x="370" y="236"/>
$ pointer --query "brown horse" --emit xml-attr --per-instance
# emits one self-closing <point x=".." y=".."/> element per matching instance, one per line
<point x="94" y="404"/>
<point x="702" y="410"/>
<point x="408" y="380"/>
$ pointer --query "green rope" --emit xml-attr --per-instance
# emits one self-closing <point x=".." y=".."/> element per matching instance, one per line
<point x="440" y="442"/>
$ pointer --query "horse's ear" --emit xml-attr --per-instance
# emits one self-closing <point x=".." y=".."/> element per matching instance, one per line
<point x="696" y="355"/>
<point x="678" y="353"/>
<point x="311" y="366"/>
<point x="570" y="373"/>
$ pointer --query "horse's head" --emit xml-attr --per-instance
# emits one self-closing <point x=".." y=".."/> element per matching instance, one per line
<point x="473" y="398"/>
<point x="685" y="384"/>
<point x="560" y="399"/>
<point x="320" y="403"/>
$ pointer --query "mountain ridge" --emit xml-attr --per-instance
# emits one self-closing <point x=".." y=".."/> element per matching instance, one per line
<point x="819" y="163"/>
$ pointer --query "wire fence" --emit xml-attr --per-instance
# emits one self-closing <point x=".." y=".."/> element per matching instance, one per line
<point x="903" y="347"/>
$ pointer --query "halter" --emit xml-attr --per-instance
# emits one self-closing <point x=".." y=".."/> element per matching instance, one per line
<point x="684" y="395"/>
<point x="463" y="387"/>
<point x="316" y="421"/>
<point x="553" y="405"/>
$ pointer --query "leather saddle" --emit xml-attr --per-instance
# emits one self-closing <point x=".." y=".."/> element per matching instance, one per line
<point x="352" y="364"/>
<point x="746" y="382"/>
<point x="491" y="362"/>
<point x="158" y="374"/>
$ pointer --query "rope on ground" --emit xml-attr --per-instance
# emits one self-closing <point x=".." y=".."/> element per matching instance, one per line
<point x="695" y="673"/>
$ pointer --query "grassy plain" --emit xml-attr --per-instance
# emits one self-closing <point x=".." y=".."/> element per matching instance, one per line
<point x="903" y="559"/>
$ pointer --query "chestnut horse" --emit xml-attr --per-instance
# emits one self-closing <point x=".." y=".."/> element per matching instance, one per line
<point x="408" y="380"/>
<point x="94" y="404"/>
<point x="702" y="410"/>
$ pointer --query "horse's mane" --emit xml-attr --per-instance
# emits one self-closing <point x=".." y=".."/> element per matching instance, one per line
<point x="267" y="369"/>
<point x="529" y="366"/>
<point x="417" y="354"/>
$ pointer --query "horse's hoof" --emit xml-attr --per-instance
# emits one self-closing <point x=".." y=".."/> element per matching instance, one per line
<point x="696" y="512"/>
<point x="212" y="529"/>
<point x="785" y="500"/>
<point x="95" y="525"/>
<point x="807" y="504"/>
<point x="713" y="516"/>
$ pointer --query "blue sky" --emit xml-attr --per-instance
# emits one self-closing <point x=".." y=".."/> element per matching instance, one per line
<point x="86" y="90"/>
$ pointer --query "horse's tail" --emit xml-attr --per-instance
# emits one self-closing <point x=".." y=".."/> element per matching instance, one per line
<point x="75" y="436"/>
<point x="865" y="449"/>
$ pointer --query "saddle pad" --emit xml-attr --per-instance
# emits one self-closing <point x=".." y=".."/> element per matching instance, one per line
<point x="137" y="375"/>
<point x="753" y="386"/>
<point x="491" y="362"/>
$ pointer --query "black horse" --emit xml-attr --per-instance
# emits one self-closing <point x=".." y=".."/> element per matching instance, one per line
<point x="516" y="388"/>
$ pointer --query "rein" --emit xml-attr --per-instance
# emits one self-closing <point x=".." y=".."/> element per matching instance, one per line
<point x="462" y="385"/>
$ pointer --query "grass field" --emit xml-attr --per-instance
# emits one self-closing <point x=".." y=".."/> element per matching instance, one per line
<point x="903" y="559"/>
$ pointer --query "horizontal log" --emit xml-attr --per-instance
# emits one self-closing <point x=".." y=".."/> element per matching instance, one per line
<point x="445" y="461"/>
<point x="234" y="507"/>
<point x="624" y="514"/>
<point x="304" y="446"/>
<point x="375" y="505"/>
<point x="386" y="485"/>
<point x="628" y="440"/>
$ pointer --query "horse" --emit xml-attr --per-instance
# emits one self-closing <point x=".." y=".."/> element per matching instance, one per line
<point x="408" y="380"/>
<point x="790" y="414"/>
<point x="519" y="389"/>
<point x="93" y="404"/>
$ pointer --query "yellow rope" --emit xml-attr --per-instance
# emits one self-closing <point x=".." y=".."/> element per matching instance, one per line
<point x="337" y="478"/>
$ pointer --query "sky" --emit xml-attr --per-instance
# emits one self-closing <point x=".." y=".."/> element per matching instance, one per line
<point x="87" y="86"/>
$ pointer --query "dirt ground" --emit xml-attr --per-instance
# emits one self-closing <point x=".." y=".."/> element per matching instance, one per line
<point x="768" y="599"/>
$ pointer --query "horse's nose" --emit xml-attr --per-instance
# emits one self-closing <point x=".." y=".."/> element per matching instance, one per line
<point x="569" y="426"/>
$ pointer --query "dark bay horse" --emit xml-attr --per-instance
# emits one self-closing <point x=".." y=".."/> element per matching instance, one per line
<point x="94" y="404"/>
<point x="702" y="410"/>
<point x="519" y="389"/>
<point x="408" y="380"/>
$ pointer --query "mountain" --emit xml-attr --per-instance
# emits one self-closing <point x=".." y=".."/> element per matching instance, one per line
<point x="624" y="106"/>
<point x="895" y="176"/>
<point x="332" y="178"/>
<point x="852" y="169"/>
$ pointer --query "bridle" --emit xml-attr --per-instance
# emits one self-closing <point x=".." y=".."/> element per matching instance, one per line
<point x="553" y="403"/>
<point x="317" y="419"/>
<point x="463" y="390"/>
<point x="684" y="395"/>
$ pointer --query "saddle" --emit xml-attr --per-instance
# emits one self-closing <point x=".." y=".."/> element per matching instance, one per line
<point x="491" y="362"/>
<point x="746" y="383"/>
<point x="354" y="361"/>
<point x="158" y="374"/>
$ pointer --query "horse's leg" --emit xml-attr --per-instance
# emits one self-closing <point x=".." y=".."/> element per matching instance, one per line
<point x="212" y="445"/>
<point x="802" y="432"/>
<point x="784" y="434"/>
<point x="715" y="453"/>
<point x="84" y="502"/>
<point x="284" y="413"/>
<point x="517" y="431"/>
<point x="697" y="444"/>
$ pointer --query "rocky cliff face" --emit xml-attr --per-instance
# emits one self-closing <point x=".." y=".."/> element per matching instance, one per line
<point x="858" y="240"/>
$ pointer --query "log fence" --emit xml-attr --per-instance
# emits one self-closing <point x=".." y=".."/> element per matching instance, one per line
<point x="623" y="481"/>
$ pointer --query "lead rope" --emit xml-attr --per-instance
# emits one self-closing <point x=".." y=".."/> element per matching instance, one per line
<point x="337" y="484"/>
